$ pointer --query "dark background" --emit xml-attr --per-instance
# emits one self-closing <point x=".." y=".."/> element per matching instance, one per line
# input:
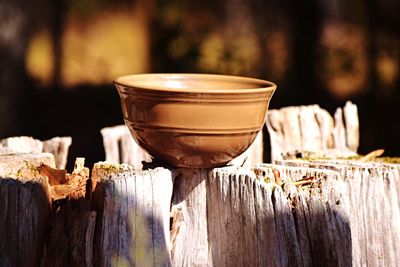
<point x="58" y="59"/>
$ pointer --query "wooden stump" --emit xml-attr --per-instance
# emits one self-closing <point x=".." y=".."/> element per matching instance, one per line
<point x="58" y="146"/>
<point x="295" y="213"/>
<point x="22" y="165"/>
<point x="132" y="228"/>
<point x="24" y="210"/>
<point x="246" y="222"/>
<point x="370" y="194"/>
<point x="36" y="230"/>
<point x="311" y="128"/>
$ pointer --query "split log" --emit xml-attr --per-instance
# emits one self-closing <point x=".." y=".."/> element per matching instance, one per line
<point x="71" y="234"/>
<point x="221" y="217"/>
<point x="72" y="220"/>
<point x="326" y="124"/>
<point x="339" y="132"/>
<point x="35" y="230"/>
<point x="189" y="227"/>
<point x="310" y="128"/>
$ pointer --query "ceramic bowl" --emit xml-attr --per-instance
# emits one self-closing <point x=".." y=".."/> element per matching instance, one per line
<point x="194" y="120"/>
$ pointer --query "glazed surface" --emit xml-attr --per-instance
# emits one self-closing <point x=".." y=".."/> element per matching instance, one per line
<point x="202" y="121"/>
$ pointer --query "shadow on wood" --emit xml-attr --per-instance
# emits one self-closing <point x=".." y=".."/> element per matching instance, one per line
<point x="132" y="226"/>
<point x="369" y="194"/>
<point x="24" y="218"/>
<point x="346" y="213"/>
<point x="232" y="219"/>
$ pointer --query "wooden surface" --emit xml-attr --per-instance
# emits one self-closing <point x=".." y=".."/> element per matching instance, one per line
<point x="120" y="147"/>
<point x="132" y="227"/>
<point x="72" y="220"/>
<point x="189" y="225"/>
<point x="369" y="194"/>
<point x="246" y="222"/>
<point x="24" y="211"/>
<point x="311" y="128"/>
<point x="70" y="235"/>
<point x="58" y="146"/>
<point x="20" y="166"/>
<point x="294" y="213"/>
<point x="20" y="144"/>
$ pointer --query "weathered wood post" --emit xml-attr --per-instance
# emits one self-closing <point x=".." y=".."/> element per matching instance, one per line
<point x="24" y="209"/>
<point x="370" y="194"/>
<point x="294" y="213"/>
<point x="220" y="217"/>
<point x="133" y="207"/>
<point x="304" y="215"/>
<point x="243" y="221"/>
<point x="311" y="128"/>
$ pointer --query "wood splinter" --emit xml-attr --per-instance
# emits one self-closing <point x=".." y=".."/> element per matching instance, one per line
<point x="63" y="184"/>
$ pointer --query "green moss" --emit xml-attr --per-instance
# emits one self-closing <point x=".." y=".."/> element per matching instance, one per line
<point x="110" y="168"/>
<point x="356" y="157"/>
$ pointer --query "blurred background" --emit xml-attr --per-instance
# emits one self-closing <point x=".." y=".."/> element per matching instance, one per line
<point x="58" y="59"/>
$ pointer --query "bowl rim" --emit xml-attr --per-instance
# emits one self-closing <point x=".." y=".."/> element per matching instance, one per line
<point x="129" y="81"/>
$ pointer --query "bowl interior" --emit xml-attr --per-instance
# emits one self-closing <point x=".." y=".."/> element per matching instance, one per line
<point x="198" y="83"/>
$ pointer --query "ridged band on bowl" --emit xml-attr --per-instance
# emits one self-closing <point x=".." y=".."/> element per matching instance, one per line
<point x="195" y="113"/>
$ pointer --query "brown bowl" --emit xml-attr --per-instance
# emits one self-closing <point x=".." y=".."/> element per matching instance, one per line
<point x="194" y="120"/>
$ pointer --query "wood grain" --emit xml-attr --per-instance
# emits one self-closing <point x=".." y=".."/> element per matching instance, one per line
<point x="317" y="213"/>
<point x="120" y="147"/>
<point x="132" y="226"/>
<point x="252" y="223"/>
<point x="24" y="216"/>
<point x="312" y="129"/>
